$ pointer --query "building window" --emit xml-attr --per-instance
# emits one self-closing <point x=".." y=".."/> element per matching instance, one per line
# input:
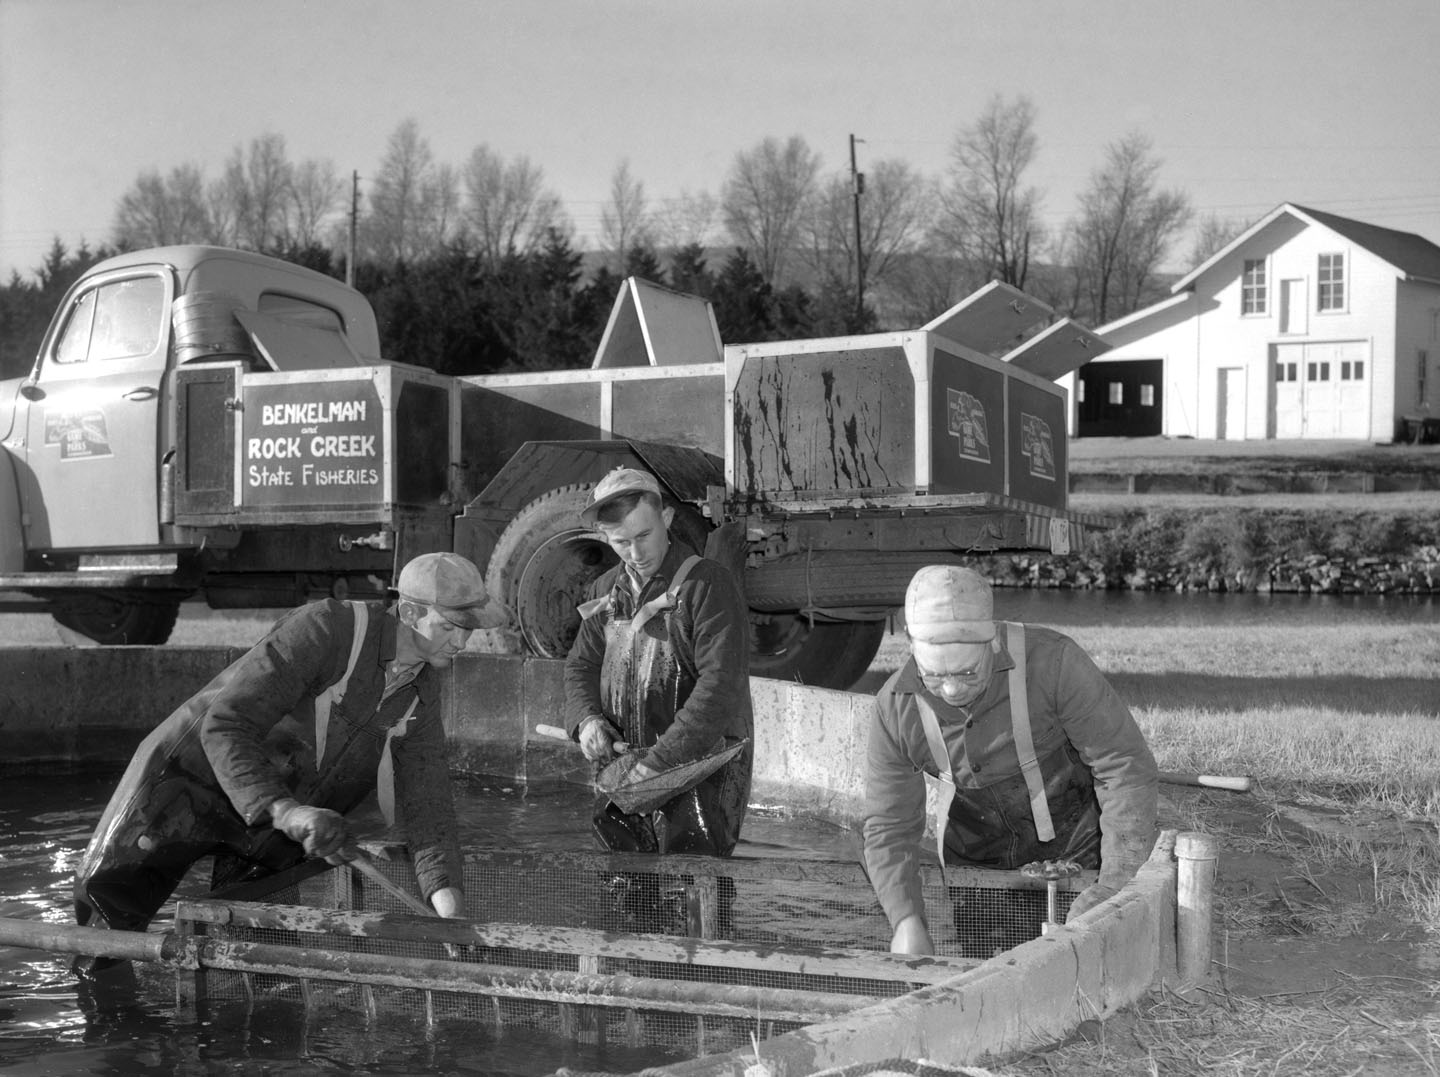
<point x="1352" y="370"/>
<point x="1317" y="371"/>
<point x="1252" y="287"/>
<point x="1117" y="392"/>
<point x="1422" y="361"/>
<point x="1287" y="371"/>
<point x="1147" y="396"/>
<point x="1332" y="282"/>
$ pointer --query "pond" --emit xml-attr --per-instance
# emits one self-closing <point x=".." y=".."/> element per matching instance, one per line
<point x="48" y="1027"/>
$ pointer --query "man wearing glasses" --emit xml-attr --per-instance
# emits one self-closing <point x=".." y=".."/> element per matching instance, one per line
<point x="338" y="701"/>
<point x="1032" y="753"/>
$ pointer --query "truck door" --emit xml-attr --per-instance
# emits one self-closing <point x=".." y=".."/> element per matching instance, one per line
<point x="93" y="433"/>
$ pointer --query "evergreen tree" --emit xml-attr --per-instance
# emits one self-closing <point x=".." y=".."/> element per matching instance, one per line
<point x="743" y="301"/>
<point x="688" y="272"/>
<point x="642" y="262"/>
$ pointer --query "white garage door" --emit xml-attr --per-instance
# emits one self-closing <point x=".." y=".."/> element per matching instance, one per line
<point x="1322" y="390"/>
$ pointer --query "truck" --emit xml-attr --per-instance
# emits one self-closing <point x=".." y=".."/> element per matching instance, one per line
<point x="208" y="424"/>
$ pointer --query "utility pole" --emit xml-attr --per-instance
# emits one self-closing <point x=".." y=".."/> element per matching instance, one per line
<point x="354" y="212"/>
<point x="857" y="188"/>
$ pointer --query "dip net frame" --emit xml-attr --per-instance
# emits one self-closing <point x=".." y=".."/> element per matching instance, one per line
<point x="695" y="954"/>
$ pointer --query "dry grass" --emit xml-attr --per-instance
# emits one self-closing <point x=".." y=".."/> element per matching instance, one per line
<point x="1372" y="1025"/>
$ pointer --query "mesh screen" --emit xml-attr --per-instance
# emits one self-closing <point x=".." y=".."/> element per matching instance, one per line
<point x="686" y="952"/>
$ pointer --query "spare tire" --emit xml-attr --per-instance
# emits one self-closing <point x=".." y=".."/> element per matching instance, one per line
<point x="546" y="559"/>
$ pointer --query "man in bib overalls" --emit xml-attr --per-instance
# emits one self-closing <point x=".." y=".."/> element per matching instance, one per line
<point x="661" y="667"/>
<point x="1033" y="751"/>
<point x="258" y="768"/>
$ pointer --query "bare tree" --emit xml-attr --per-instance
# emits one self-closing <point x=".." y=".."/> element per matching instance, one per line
<point x="260" y="181"/>
<point x="157" y="212"/>
<point x="895" y="211"/>
<point x="440" y="216"/>
<point x="507" y="208"/>
<point x="1212" y="234"/>
<point x="687" y="220"/>
<point x="1125" y="228"/>
<point x="625" y="219"/>
<point x="400" y="225"/>
<point x="315" y="194"/>
<point x="763" y="198"/>
<point x="988" y="214"/>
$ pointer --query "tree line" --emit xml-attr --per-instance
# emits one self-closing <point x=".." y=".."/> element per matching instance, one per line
<point x="474" y="269"/>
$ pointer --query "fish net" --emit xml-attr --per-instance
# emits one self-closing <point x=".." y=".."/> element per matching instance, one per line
<point x="695" y="954"/>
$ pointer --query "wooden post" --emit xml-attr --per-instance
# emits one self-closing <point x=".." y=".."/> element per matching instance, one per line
<point x="1196" y="856"/>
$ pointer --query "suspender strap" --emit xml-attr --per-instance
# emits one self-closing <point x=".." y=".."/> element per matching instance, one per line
<point x="385" y="773"/>
<point x="938" y="751"/>
<point x="326" y="699"/>
<point x="667" y="600"/>
<point x="944" y="785"/>
<point x="1024" y="738"/>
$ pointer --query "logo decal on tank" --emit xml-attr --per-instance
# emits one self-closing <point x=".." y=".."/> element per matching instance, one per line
<point x="965" y="419"/>
<point x="1037" y="446"/>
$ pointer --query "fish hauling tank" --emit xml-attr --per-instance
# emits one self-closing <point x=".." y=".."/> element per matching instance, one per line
<point x="638" y="959"/>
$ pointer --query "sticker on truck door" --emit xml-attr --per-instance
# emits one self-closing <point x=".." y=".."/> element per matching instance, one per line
<point x="81" y="435"/>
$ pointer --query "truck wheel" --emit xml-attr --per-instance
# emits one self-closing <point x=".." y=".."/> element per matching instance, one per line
<point x="829" y="654"/>
<point x="546" y="559"/>
<point x="118" y="622"/>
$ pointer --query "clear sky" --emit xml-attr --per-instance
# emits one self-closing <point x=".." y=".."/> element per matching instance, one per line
<point x="1328" y="103"/>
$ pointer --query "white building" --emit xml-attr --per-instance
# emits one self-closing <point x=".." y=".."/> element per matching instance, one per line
<point x="1308" y="325"/>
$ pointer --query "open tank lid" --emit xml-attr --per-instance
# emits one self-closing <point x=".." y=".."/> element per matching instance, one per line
<point x="1065" y="346"/>
<point x="992" y="320"/>
<point x="653" y="326"/>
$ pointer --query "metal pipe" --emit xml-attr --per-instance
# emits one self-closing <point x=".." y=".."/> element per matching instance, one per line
<point x="615" y="989"/>
<point x="553" y="985"/>
<point x="94" y="941"/>
<point x="1196" y="856"/>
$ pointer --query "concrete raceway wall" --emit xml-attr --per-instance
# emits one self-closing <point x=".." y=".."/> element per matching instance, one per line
<point x="93" y="705"/>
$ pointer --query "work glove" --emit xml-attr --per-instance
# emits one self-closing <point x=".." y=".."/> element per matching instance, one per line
<point x="600" y="740"/>
<point x="322" y="832"/>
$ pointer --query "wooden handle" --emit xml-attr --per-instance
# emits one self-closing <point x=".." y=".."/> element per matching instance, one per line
<point x="367" y="867"/>
<point x="1235" y="783"/>
<point x="554" y="731"/>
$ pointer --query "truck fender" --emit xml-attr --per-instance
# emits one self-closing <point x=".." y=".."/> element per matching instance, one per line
<point x="12" y="535"/>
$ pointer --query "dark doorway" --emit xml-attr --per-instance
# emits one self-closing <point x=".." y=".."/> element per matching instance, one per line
<point x="1120" y="399"/>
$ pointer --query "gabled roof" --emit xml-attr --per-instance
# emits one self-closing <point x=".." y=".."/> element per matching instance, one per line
<point x="1410" y="255"/>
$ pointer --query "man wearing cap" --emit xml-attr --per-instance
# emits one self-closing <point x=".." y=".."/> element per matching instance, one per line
<point x="660" y="667"/>
<point x="1035" y="755"/>
<point x="339" y="700"/>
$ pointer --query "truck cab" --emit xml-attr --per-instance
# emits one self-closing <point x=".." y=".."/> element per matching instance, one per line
<point x="87" y="521"/>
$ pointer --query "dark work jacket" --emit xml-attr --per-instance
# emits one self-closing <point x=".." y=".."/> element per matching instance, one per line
<point x="708" y="634"/>
<point x="1100" y="778"/>
<point x="248" y="739"/>
<point x="677" y="687"/>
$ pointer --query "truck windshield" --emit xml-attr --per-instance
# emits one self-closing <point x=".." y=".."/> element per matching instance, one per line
<point x="117" y="320"/>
